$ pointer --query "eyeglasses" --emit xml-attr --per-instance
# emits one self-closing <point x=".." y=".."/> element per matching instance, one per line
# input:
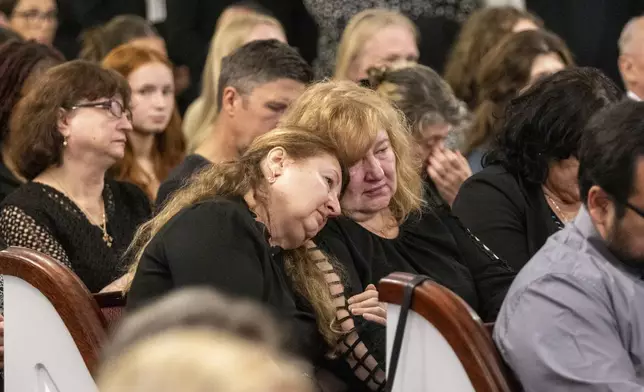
<point x="33" y="15"/>
<point x="113" y="106"/>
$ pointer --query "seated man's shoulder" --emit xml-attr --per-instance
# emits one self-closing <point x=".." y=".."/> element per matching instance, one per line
<point x="557" y="269"/>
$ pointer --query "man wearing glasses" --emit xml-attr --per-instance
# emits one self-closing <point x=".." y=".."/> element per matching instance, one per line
<point x="573" y="319"/>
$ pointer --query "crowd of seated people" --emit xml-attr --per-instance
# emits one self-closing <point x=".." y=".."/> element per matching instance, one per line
<point x="513" y="180"/>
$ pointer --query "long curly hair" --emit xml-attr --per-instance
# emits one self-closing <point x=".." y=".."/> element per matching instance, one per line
<point x="480" y="33"/>
<point x="169" y="145"/>
<point x="503" y="73"/>
<point x="237" y="178"/>
<point x="545" y="124"/>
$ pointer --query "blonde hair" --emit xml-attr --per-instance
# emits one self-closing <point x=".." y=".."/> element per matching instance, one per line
<point x="360" y="29"/>
<point x="196" y="360"/>
<point x="237" y="178"/>
<point x="352" y="116"/>
<point x="228" y="37"/>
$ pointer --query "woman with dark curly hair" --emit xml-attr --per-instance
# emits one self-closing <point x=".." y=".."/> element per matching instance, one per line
<point x="21" y="65"/>
<point x="528" y="187"/>
<point x="514" y="64"/>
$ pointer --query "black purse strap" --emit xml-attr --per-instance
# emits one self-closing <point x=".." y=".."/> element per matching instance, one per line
<point x="408" y="295"/>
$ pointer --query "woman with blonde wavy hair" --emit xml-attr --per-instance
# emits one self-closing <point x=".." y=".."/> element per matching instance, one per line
<point x="238" y="30"/>
<point x="375" y="37"/>
<point x="385" y="226"/>
<point x="244" y="227"/>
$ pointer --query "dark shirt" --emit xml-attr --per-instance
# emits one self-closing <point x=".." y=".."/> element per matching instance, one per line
<point x="39" y="217"/>
<point x="178" y="177"/>
<point x="433" y="244"/>
<point x="510" y="216"/>
<point x="218" y="243"/>
<point x="8" y="182"/>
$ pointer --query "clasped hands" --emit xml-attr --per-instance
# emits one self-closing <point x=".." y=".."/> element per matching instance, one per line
<point x="366" y="304"/>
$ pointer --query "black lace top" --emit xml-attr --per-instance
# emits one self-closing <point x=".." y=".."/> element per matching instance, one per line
<point x="41" y="218"/>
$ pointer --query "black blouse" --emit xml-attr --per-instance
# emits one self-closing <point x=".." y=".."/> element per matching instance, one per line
<point x="511" y="216"/>
<point x="218" y="243"/>
<point x="434" y="244"/>
<point x="41" y="218"/>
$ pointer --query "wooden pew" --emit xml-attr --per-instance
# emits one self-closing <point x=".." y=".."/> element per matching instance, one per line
<point x="445" y="346"/>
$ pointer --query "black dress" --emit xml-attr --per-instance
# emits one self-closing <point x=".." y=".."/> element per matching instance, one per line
<point x="39" y="217"/>
<point x="511" y="216"/>
<point x="218" y="243"/>
<point x="432" y="243"/>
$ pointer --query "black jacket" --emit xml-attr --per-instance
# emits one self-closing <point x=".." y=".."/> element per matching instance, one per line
<point x="508" y="215"/>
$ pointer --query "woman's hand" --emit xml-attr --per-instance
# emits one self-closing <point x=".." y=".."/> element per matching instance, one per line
<point x="118" y="285"/>
<point x="448" y="170"/>
<point x="366" y="304"/>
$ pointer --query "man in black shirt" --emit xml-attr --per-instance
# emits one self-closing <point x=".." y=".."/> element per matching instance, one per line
<point x="257" y="83"/>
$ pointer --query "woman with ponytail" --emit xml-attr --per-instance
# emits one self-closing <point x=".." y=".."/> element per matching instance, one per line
<point x="510" y="67"/>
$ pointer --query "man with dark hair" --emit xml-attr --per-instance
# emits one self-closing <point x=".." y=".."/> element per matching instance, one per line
<point x="257" y="83"/>
<point x="573" y="319"/>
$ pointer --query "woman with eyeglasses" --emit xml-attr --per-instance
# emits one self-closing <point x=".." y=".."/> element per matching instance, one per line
<point x="33" y="19"/>
<point x="65" y="134"/>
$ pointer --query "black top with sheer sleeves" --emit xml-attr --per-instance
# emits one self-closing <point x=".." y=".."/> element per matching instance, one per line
<point x="433" y="243"/>
<point x="41" y="218"/>
<point x="360" y="360"/>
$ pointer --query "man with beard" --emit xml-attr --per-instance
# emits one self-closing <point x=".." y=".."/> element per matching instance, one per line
<point x="573" y="319"/>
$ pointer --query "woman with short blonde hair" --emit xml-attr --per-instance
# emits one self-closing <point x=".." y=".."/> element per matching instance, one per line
<point x="375" y="37"/>
<point x="239" y="29"/>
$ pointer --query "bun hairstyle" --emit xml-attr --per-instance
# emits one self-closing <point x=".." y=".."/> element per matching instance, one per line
<point x="422" y="96"/>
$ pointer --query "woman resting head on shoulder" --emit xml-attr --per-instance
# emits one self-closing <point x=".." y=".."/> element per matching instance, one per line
<point x="386" y="226"/>
<point x="433" y="114"/>
<point x="241" y="227"/>
<point x="155" y="144"/>
<point x="528" y="188"/>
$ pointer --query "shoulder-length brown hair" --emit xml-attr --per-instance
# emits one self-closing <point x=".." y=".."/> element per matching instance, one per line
<point x="36" y="143"/>
<point x="504" y="72"/>
<point x="169" y="145"/>
<point x="480" y="33"/>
